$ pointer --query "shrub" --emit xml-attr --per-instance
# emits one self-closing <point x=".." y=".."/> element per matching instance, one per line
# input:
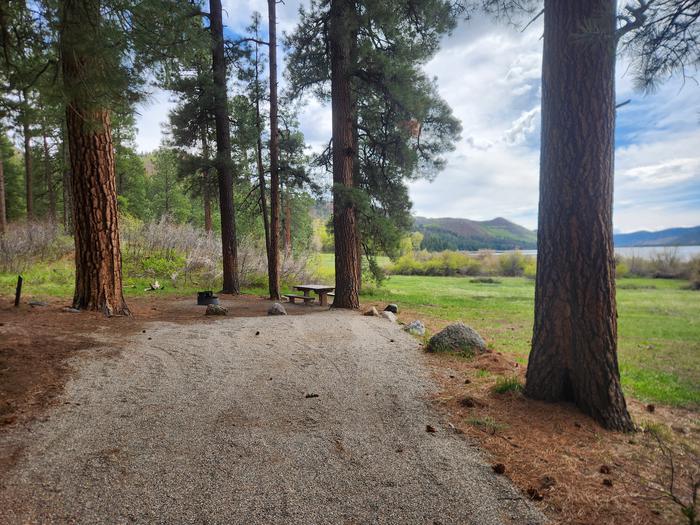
<point x="621" y="269"/>
<point x="512" y="264"/>
<point x="27" y="243"/>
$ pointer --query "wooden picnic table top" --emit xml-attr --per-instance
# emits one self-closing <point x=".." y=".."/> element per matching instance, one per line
<point x="315" y="287"/>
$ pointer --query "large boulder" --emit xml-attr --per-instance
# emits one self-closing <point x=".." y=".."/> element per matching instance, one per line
<point x="415" y="328"/>
<point x="457" y="337"/>
<point x="277" y="309"/>
<point x="389" y="315"/>
<point x="215" y="309"/>
<point x="394" y="309"/>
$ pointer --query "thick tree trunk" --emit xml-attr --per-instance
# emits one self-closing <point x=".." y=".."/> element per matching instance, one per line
<point x="98" y="264"/>
<point x="273" y="262"/>
<point x="574" y="346"/>
<point x="3" y="209"/>
<point x="28" y="172"/>
<point x="48" y="176"/>
<point x="342" y="22"/>
<point x="223" y="152"/>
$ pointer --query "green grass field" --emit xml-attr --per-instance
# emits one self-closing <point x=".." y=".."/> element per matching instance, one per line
<point x="659" y="321"/>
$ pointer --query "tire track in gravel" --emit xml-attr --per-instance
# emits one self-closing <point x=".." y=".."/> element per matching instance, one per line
<point x="212" y="424"/>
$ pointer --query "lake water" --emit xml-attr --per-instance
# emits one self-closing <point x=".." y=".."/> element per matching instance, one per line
<point x="646" y="252"/>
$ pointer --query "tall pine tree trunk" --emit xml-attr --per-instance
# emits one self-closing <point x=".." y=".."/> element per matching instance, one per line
<point x="98" y="264"/>
<point x="342" y="23"/>
<point x="273" y="262"/>
<point x="48" y="176"/>
<point x="223" y="152"/>
<point x="3" y="209"/>
<point x="574" y="346"/>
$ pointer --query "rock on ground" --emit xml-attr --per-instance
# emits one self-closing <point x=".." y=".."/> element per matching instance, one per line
<point x="457" y="337"/>
<point x="215" y="309"/>
<point x="393" y="308"/>
<point x="372" y="312"/>
<point x="209" y="423"/>
<point x="389" y="315"/>
<point x="415" y="328"/>
<point x="277" y="309"/>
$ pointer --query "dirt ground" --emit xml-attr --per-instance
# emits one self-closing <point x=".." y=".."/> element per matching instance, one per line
<point x="37" y="342"/>
<point x="572" y="469"/>
<point x="321" y="418"/>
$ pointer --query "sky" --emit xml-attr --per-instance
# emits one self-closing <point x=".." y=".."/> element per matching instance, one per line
<point x="490" y="75"/>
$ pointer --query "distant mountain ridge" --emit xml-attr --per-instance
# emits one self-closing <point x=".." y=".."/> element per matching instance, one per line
<point x="449" y="233"/>
<point x="669" y="237"/>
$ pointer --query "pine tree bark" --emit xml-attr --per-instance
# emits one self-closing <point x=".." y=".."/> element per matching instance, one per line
<point x="574" y="346"/>
<point x="48" y="179"/>
<point x="98" y="264"/>
<point x="342" y="22"/>
<point x="273" y="263"/>
<point x="223" y="152"/>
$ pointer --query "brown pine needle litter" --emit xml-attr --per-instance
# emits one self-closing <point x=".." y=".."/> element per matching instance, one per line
<point x="574" y="470"/>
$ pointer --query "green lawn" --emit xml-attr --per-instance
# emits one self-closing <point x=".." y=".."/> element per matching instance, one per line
<point x="659" y="323"/>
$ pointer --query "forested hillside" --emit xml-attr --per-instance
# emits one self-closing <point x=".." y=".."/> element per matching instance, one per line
<point x="464" y="234"/>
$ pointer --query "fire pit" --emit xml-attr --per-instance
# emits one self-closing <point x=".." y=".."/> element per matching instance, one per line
<point x="207" y="297"/>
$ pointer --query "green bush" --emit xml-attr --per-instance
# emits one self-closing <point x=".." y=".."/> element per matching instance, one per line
<point x="512" y="264"/>
<point x="621" y="270"/>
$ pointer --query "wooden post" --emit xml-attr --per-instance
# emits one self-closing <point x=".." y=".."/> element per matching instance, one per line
<point x="18" y="290"/>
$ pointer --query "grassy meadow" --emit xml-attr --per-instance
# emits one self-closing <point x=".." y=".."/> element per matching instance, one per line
<point x="659" y="320"/>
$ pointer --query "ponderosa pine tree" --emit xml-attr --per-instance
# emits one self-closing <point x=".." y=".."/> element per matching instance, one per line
<point x="574" y="345"/>
<point x="342" y="34"/>
<point x="387" y="90"/>
<point x="98" y="276"/>
<point x="224" y="164"/>
<point x="191" y="125"/>
<point x="273" y="263"/>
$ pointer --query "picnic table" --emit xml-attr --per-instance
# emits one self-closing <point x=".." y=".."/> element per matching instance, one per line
<point x="322" y="290"/>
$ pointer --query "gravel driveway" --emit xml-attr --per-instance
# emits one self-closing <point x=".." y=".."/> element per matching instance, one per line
<point x="320" y="418"/>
